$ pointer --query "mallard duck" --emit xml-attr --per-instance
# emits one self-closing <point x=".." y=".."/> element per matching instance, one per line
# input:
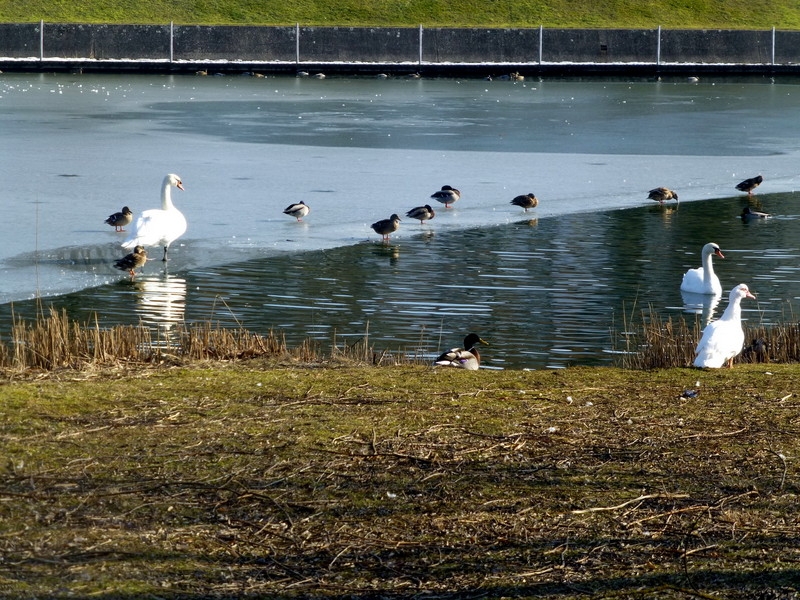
<point x="297" y="210"/>
<point x="386" y="227"/>
<point x="749" y="213"/>
<point x="748" y="185"/>
<point x="119" y="219"/>
<point x="662" y="194"/>
<point x="463" y="358"/>
<point x="159" y="226"/>
<point x="421" y="213"/>
<point x="703" y="280"/>
<point x="447" y="195"/>
<point x="526" y="201"/>
<point x="132" y="261"/>
<point x="722" y="340"/>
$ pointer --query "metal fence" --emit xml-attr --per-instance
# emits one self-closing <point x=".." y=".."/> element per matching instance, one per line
<point x="298" y="45"/>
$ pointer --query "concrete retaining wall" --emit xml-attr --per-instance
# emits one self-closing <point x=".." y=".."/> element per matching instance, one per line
<point x="293" y="46"/>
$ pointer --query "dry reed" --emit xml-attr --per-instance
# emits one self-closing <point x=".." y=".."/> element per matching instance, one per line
<point x="54" y="341"/>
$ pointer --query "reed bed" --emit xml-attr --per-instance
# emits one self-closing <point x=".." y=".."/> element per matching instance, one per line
<point x="54" y="341"/>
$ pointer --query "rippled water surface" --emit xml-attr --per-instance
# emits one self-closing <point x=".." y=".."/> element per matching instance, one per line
<point x="549" y="288"/>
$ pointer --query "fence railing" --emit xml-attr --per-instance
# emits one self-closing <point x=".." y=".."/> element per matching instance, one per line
<point x="299" y="45"/>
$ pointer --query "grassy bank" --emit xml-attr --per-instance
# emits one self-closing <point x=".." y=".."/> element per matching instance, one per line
<point x="405" y="481"/>
<point x="732" y="14"/>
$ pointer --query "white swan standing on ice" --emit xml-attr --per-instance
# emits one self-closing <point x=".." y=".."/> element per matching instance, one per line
<point x="703" y="280"/>
<point x="159" y="226"/>
<point x="723" y="339"/>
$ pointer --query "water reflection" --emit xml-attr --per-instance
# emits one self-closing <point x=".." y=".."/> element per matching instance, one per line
<point x="704" y="305"/>
<point x="161" y="300"/>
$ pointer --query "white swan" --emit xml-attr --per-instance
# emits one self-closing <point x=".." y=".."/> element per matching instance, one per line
<point x="703" y="280"/>
<point x="723" y="339"/>
<point x="159" y="226"/>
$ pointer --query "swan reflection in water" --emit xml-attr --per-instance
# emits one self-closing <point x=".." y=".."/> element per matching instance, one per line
<point x="700" y="304"/>
<point x="161" y="302"/>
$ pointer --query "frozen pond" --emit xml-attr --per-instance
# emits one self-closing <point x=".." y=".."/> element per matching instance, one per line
<point x="546" y="288"/>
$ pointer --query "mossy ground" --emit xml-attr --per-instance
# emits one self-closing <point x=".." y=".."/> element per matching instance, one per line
<point x="400" y="482"/>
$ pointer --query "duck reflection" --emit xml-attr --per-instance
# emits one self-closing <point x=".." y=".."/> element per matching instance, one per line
<point x="700" y="304"/>
<point x="391" y="252"/>
<point x="161" y="301"/>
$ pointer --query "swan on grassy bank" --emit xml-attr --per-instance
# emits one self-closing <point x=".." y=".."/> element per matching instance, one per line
<point x="723" y="339"/>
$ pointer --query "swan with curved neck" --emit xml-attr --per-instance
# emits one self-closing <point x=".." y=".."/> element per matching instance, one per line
<point x="703" y="280"/>
<point x="159" y="226"/>
<point x="722" y="340"/>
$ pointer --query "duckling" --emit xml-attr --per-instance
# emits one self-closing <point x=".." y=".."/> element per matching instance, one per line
<point x="386" y="227"/>
<point x="526" y="201"/>
<point x="423" y="213"/>
<point x="463" y="358"/>
<point x="132" y="261"/>
<point x="748" y="185"/>
<point x="119" y="219"/>
<point x="447" y="195"/>
<point x="662" y="194"/>
<point x="298" y="210"/>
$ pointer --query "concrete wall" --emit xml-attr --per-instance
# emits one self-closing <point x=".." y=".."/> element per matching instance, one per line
<point x="787" y="47"/>
<point x="359" y="44"/>
<point x="716" y="46"/>
<point x="19" y="40"/>
<point x="235" y="43"/>
<point x="319" y="45"/>
<point x="480" y="45"/>
<point x="103" y="42"/>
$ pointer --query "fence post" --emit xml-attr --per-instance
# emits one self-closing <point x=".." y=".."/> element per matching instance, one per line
<point x="420" y="43"/>
<point x="541" y="42"/>
<point x="658" y="47"/>
<point x="773" y="45"/>
<point x="41" y="40"/>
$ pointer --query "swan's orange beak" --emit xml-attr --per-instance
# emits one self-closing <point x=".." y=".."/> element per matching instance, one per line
<point x="180" y="186"/>
<point x="718" y="252"/>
